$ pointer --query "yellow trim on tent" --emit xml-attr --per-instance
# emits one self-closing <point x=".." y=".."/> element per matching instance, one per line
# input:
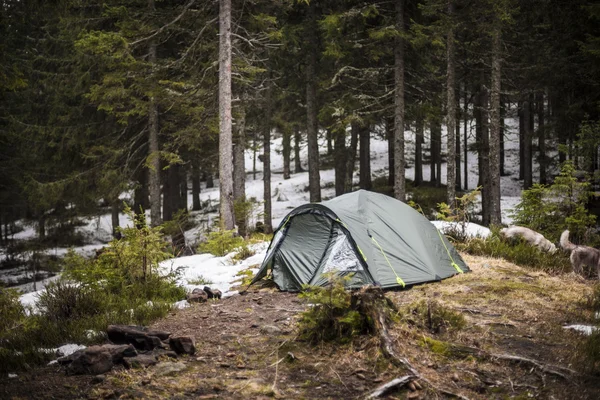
<point x="399" y="280"/>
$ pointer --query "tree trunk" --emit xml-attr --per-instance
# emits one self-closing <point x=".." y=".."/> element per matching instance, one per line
<point x="450" y="115"/>
<point x="340" y="161"/>
<point x="297" y="143"/>
<point x="521" y="140"/>
<point x="329" y="135"/>
<point x="153" y="149"/>
<point x="268" y="227"/>
<point x="419" y="139"/>
<point x="432" y="153"/>
<point x="140" y="193"/>
<point x="485" y="145"/>
<point x="254" y="150"/>
<point x="457" y="136"/>
<point x="312" y="128"/>
<point x="541" y="137"/>
<point x="114" y="214"/>
<point x="183" y="189"/>
<point x="465" y="136"/>
<point x="239" y="174"/>
<point x="399" y="178"/>
<point x="495" y="132"/>
<point x="527" y="164"/>
<point x="225" y="127"/>
<point x="351" y="158"/>
<point x="171" y="192"/>
<point x="389" y="132"/>
<point x="210" y="180"/>
<point x="502" y="129"/>
<point x="196" y="203"/>
<point x="365" y="158"/>
<point x="436" y="143"/>
<point x="286" y="143"/>
<point x="42" y="227"/>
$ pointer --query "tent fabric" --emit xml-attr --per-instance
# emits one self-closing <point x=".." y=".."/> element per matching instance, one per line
<point x="370" y="237"/>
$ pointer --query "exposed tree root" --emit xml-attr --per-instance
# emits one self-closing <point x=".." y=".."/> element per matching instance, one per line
<point x="391" y="385"/>
<point x="555" y="370"/>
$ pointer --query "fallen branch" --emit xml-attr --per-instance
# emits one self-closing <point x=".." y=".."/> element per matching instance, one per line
<point x="387" y="387"/>
<point x="548" y="369"/>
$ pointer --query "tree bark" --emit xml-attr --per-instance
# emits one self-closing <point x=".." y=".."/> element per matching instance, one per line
<point x="312" y="128"/>
<point x="114" y="218"/>
<point x="399" y="178"/>
<point x="436" y="144"/>
<point x="183" y="190"/>
<point x="297" y="143"/>
<point x="351" y="158"/>
<point x="541" y="137"/>
<point x="365" y="158"/>
<point x="286" y="143"/>
<point x="419" y="139"/>
<point x="521" y="112"/>
<point x="225" y="123"/>
<point x="527" y="164"/>
<point x="450" y="116"/>
<point x="329" y="136"/>
<point x="485" y="159"/>
<point x="340" y="161"/>
<point x="239" y="173"/>
<point x="171" y="192"/>
<point x="389" y="132"/>
<point x="268" y="223"/>
<point x="457" y="136"/>
<point x="153" y="149"/>
<point x="495" y="211"/>
<point x="140" y="193"/>
<point x="502" y="129"/>
<point x="465" y="136"/>
<point x="196" y="203"/>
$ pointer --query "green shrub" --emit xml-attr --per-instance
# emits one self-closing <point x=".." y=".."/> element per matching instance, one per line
<point x="244" y="252"/>
<point x="221" y="243"/>
<point x="330" y="317"/>
<point x="516" y="251"/>
<point x="427" y="198"/>
<point x="62" y="302"/>
<point x="552" y="209"/>
<point x="200" y="280"/>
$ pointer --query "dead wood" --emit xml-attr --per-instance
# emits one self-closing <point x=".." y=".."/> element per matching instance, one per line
<point x="555" y="370"/>
<point x="387" y="387"/>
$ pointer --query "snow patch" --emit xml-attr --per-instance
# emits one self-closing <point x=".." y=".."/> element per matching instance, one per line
<point x="472" y="230"/>
<point x="585" y="329"/>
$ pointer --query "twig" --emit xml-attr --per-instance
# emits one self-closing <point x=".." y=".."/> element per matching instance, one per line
<point x="274" y="387"/>
<point x="387" y="387"/>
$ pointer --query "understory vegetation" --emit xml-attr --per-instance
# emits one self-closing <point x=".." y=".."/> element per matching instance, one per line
<point x="123" y="285"/>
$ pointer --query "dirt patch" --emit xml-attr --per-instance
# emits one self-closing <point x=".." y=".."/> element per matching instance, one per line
<point x="247" y="347"/>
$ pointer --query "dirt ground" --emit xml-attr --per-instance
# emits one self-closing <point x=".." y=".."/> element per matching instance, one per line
<point x="247" y="347"/>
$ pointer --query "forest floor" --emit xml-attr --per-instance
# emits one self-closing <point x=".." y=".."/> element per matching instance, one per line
<point x="247" y="347"/>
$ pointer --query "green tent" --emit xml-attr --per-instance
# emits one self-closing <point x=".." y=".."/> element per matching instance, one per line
<point x="370" y="237"/>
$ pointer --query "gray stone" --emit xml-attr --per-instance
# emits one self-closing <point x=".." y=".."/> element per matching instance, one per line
<point x="270" y="329"/>
<point x="197" y="296"/>
<point x="94" y="360"/>
<point x="213" y="293"/>
<point x="168" y="368"/>
<point x="183" y="344"/>
<point x="140" y="361"/>
<point x="141" y="337"/>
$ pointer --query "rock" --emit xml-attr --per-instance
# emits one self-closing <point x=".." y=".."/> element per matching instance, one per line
<point x="141" y="337"/>
<point x="183" y="344"/>
<point x="168" y="353"/>
<point x="140" y="361"/>
<point x="168" y="368"/>
<point x="94" y="360"/>
<point x="197" y="296"/>
<point x="98" y="379"/>
<point x="270" y="329"/>
<point x="213" y="293"/>
<point x="120" y="351"/>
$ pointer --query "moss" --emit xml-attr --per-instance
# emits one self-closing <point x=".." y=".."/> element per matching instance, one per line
<point x="436" y="346"/>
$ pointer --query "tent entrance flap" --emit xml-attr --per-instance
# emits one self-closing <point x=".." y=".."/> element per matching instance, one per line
<point x="297" y="258"/>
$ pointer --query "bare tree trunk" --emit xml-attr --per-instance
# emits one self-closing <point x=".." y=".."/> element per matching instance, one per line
<point x="297" y="141"/>
<point x="527" y="164"/>
<point x="436" y="143"/>
<point x="365" y="158"/>
<point x="268" y="227"/>
<point x="239" y="174"/>
<point x="351" y="156"/>
<point x="114" y="214"/>
<point x="419" y="139"/>
<point x="465" y="135"/>
<point x="399" y="178"/>
<point x="312" y="128"/>
<point x="340" y="161"/>
<point x="495" y="211"/>
<point x="521" y="111"/>
<point x="183" y="189"/>
<point x="542" y="137"/>
<point x="485" y="144"/>
<point x="389" y="132"/>
<point x="140" y="194"/>
<point x="171" y="192"/>
<point x="432" y="153"/>
<point x="225" y="123"/>
<point x="502" y="129"/>
<point x="153" y="149"/>
<point x="457" y="136"/>
<point x="254" y="151"/>
<point x="286" y="142"/>
<point x="210" y="182"/>
<point x="329" y="136"/>
<point x="196" y="203"/>
<point x="451" y="115"/>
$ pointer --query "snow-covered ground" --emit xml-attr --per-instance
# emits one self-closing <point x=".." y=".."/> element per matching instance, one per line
<point x="287" y="194"/>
